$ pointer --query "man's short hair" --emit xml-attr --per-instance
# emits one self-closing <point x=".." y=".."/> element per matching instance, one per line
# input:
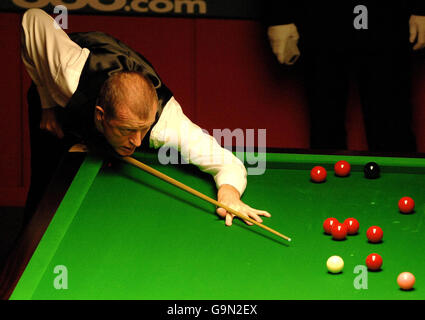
<point x="128" y="88"/>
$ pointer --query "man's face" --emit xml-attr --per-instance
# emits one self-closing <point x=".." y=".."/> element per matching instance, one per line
<point x="125" y="131"/>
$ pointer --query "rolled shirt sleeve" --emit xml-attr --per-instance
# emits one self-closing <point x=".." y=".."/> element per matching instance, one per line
<point x="175" y="130"/>
<point x="51" y="58"/>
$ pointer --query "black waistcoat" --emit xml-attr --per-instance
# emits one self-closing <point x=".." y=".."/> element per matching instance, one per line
<point x="107" y="56"/>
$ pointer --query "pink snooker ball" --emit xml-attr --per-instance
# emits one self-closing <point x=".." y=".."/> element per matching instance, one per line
<point x="406" y="280"/>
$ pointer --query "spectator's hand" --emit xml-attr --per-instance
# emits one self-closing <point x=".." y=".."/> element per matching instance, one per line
<point x="49" y="123"/>
<point x="229" y="196"/>
<point x="283" y="40"/>
<point x="417" y="31"/>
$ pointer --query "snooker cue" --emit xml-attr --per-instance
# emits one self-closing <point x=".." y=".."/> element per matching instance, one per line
<point x="176" y="183"/>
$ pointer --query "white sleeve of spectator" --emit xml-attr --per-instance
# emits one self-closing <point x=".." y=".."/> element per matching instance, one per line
<point x="175" y="130"/>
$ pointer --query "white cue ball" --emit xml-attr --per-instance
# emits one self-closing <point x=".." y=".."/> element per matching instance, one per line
<point x="335" y="264"/>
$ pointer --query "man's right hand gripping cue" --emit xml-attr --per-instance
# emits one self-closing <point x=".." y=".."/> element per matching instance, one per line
<point x="49" y="122"/>
<point x="283" y="40"/>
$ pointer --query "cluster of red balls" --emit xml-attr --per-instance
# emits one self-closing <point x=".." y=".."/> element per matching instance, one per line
<point x="340" y="230"/>
<point x="351" y="226"/>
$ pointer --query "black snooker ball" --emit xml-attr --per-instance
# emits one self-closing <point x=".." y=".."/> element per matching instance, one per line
<point x="372" y="170"/>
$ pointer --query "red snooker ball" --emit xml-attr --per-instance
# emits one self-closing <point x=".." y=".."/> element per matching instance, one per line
<point x="328" y="224"/>
<point x="342" y="168"/>
<point x="339" y="231"/>
<point x="374" y="261"/>
<point x="406" y="205"/>
<point x="352" y="225"/>
<point x="374" y="234"/>
<point x="318" y="174"/>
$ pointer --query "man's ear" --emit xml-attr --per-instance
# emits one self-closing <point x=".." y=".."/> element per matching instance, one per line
<point x="99" y="113"/>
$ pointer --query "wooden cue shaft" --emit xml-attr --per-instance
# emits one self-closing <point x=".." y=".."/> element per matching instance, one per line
<point x="168" y="179"/>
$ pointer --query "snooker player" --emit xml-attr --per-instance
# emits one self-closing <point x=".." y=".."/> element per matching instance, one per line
<point x="89" y="87"/>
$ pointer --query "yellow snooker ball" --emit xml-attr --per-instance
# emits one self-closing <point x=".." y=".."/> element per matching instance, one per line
<point x="335" y="264"/>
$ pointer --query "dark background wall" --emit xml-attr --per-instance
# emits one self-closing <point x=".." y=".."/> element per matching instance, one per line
<point x="221" y="71"/>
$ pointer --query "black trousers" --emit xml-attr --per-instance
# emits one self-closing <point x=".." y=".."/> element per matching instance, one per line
<point x="379" y="61"/>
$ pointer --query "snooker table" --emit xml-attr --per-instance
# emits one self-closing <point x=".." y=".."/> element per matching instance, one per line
<point x="121" y="233"/>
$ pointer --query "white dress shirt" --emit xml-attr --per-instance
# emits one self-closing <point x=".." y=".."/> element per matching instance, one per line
<point x="55" y="63"/>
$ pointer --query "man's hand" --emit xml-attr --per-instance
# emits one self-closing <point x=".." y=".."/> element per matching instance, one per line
<point x="417" y="31"/>
<point x="283" y="40"/>
<point x="229" y="196"/>
<point x="49" y="123"/>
